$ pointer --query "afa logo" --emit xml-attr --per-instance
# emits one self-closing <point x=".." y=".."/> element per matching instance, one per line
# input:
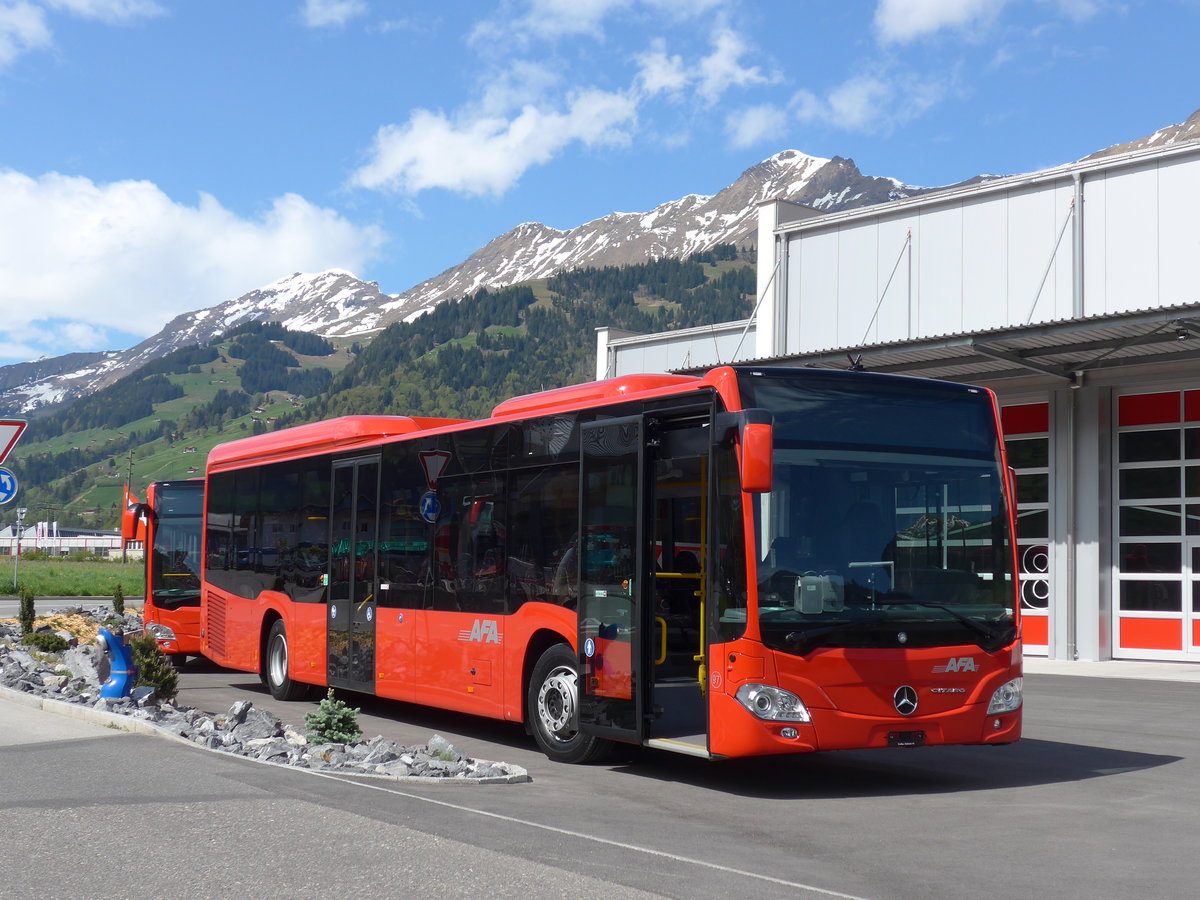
<point x="484" y="631"/>
<point x="957" y="664"/>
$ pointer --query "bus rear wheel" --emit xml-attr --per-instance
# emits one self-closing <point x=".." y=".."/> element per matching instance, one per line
<point x="275" y="666"/>
<point x="553" y="704"/>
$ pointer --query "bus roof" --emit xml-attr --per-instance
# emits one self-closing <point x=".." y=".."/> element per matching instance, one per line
<point x="342" y="433"/>
<point x="349" y="432"/>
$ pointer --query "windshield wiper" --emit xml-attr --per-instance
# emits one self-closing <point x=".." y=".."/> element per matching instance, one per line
<point x="989" y="639"/>
<point x="806" y="641"/>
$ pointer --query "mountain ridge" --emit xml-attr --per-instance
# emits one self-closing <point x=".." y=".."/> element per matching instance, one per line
<point x="336" y="304"/>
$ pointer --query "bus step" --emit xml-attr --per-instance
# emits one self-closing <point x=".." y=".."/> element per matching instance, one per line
<point x="686" y="745"/>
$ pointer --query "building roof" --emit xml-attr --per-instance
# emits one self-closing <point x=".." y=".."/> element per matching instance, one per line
<point x="1059" y="349"/>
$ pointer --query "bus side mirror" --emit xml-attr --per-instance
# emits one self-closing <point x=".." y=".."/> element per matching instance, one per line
<point x="757" y="450"/>
<point x="753" y="431"/>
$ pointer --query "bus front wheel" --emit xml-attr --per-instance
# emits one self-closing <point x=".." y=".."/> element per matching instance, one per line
<point x="553" y="702"/>
<point x="275" y="666"/>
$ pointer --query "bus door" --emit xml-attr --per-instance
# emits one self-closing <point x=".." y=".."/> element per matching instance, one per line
<point x="679" y="487"/>
<point x="613" y="579"/>
<point x="353" y="574"/>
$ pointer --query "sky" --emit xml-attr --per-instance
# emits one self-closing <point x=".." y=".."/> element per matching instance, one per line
<point x="159" y="157"/>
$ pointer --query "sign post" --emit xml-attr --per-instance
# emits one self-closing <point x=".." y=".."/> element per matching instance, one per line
<point x="17" y="556"/>
<point x="10" y="433"/>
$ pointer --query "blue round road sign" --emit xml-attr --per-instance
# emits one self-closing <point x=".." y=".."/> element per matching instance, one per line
<point x="8" y="485"/>
<point x="431" y="507"/>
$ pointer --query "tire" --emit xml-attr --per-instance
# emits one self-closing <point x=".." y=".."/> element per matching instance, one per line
<point x="552" y="701"/>
<point x="275" y="666"/>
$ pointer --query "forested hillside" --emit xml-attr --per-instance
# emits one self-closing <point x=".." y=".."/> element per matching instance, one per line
<point x="462" y="358"/>
<point x="458" y="360"/>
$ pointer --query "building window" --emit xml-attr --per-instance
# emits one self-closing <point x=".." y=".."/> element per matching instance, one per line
<point x="1157" y="524"/>
<point x="1027" y="440"/>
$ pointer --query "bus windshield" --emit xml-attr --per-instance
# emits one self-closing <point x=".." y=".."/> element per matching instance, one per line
<point x="175" y="567"/>
<point x="887" y="523"/>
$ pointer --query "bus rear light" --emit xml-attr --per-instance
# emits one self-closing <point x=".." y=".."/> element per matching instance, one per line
<point x="160" y="632"/>
<point x="773" y="704"/>
<point x="1007" y="697"/>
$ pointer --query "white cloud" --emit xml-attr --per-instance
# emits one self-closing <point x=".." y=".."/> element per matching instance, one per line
<point x="902" y="21"/>
<point x="659" y="72"/>
<point x="547" y="20"/>
<point x="723" y="69"/>
<point x="487" y="154"/>
<point x="124" y="256"/>
<point x="755" y="124"/>
<point x="870" y="103"/>
<point x="111" y="11"/>
<point x="330" y="13"/>
<point x="22" y="28"/>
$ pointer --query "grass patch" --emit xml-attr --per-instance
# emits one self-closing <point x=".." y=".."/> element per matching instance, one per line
<point x="66" y="578"/>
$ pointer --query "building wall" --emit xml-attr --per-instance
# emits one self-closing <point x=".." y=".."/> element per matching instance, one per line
<point x="994" y="257"/>
<point x="1112" y="568"/>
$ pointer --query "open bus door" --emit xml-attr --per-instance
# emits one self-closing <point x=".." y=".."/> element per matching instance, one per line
<point x="613" y="580"/>
<point x="353" y="574"/>
<point x="642" y="647"/>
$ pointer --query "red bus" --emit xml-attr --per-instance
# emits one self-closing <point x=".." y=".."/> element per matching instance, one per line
<point x="172" y="533"/>
<point x="752" y="561"/>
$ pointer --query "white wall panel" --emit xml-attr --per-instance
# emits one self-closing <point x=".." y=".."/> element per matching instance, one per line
<point x="985" y="301"/>
<point x="1095" y="245"/>
<point x="857" y="285"/>
<point x="1035" y="218"/>
<point x="938" y="245"/>
<point x="896" y="320"/>
<point x="817" y="280"/>
<point x="1179" y="232"/>
<point x="1131" y="239"/>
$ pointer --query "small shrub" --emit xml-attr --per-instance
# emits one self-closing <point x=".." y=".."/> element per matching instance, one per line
<point x="46" y="641"/>
<point x="154" y="669"/>
<point x="118" y="600"/>
<point x="25" y="612"/>
<point x="333" y="721"/>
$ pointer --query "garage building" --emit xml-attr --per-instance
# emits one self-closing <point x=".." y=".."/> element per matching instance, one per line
<point x="1074" y="293"/>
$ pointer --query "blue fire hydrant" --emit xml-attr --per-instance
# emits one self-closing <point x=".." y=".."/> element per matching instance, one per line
<point x="122" y="671"/>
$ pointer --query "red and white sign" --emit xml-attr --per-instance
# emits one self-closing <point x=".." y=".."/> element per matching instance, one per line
<point x="10" y="432"/>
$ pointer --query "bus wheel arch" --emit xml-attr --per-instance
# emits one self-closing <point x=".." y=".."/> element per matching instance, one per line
<point x="273" y="668"/>
<point x="552" y="697"/>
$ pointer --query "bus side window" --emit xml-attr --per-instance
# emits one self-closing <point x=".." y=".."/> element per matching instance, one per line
<point x="542" y="536"/>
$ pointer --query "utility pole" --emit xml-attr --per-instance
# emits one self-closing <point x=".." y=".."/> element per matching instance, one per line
<point x="17" y="556"/>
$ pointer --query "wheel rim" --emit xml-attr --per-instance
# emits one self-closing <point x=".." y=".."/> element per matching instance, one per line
<point x="278" y="660"/>
<point x="556" y="704"/>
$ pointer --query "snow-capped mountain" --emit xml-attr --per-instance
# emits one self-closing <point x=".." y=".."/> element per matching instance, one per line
<point x="337" y="304"/>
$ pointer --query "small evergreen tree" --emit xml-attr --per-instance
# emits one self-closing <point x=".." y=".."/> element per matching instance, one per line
<point x="25" y="612"/>
<point x="153" y="668"/>
<point x="333" y="721"/>
<point x="118" y="600"/>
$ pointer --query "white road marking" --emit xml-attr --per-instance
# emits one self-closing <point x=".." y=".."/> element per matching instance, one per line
<point x="599" y="840"/>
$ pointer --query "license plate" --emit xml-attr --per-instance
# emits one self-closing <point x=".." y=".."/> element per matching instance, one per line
<point x="906" y="739"/>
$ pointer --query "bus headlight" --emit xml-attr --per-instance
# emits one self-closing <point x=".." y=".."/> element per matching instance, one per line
<point x="1007" y="697"/>
<point x="160" y="632"/>
<point x="772" y="703"/>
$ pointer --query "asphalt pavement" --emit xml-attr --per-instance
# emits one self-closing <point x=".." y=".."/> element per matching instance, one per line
<point x="1097" y="801"/>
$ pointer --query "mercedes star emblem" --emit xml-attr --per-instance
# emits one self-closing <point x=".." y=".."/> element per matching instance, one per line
<point x="905" y="700"/>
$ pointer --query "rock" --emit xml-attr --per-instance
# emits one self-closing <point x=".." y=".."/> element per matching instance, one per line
<point x="237" y="712"/>
<point x="292" y="736"/>
<point x="256" y="724"/>
<point x="396" y="768"/>
<point x="439" y="746"/>
<point x="143" y="695"/>
<point x="82" y="663"/>
<point x="383" y="752"/>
